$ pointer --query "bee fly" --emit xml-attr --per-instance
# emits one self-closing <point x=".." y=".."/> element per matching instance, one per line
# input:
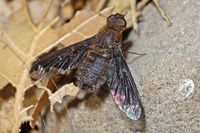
<point x="100" y="60"/>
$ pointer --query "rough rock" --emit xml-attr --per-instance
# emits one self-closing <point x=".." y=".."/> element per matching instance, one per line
<point x="167" y="79"/>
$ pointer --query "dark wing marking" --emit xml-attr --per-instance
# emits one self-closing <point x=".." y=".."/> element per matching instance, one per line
<point x="61" y="60"/>
<point x="122" y="86"/>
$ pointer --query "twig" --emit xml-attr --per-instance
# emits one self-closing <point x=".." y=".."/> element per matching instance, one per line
<point x="28" y="16"/>
<point x="141" y="4"/>
<point x="100" y="5"/>
<point x="134" y="15"/>
<point x="13" y="45"/>
<point x="66" y="1"/>
<point x="162" y="13"/>
<point x="49" y="25"/>
<point x="44" y="16"/>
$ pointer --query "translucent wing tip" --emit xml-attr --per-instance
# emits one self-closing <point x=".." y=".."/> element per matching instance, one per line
<point x="38" y="72"/>
<point x="133" y="111"/>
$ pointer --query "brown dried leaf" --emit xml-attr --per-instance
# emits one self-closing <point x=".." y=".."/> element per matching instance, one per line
<point x="83" y="25"/>
<point x="6" y="115"/>
<point x="69" y="7"/>
<point x="24" y="115"/>
<point x="8" y="8"/>
<point x="6" y="109"/>
<point x="42" y="99"/>
<point x="17" y="46"/>
<point x="68" y="89"/>
<point x="96" y="5"/>
<point x="67" y="11"/>
<point x="37" y="8"/>
<point x="15" y="49"/>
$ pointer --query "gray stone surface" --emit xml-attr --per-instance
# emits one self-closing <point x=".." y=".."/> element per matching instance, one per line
<point x="171" y="63"/>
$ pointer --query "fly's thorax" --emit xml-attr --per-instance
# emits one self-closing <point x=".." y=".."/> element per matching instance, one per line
<point x="105" y="41"/>
<point x="104" y="52"/>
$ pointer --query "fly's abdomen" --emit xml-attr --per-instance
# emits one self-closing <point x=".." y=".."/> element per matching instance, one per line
<point x="91" y="73"/>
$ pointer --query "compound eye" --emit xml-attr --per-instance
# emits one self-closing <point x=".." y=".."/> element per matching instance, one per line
<point x="111" y="18"/>
<point x="121" y="22"/>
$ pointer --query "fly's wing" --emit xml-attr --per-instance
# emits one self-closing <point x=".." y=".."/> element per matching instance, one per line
<point x="61" y="60"/>
<point x="122" y="86"/>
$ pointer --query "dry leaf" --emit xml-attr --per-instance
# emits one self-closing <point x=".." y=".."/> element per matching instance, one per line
<point x="42" y="99"/>
<point x="6" y="109"/>
<point x="6" y="115"/>
<point x="83" y="25"/>
<point x="96" y="5"/>
<point x="19" y="42"/>
<point x="68" y="89"/>
<point x="8" y="8"/>
<point x="15" y="49"/>
<point x="67" y="11"/>
<point x="69" y="7"/>
<point x="37" y="9"/>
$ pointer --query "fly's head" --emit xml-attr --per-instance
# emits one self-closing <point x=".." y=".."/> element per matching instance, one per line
<point x="117" y="22"/>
